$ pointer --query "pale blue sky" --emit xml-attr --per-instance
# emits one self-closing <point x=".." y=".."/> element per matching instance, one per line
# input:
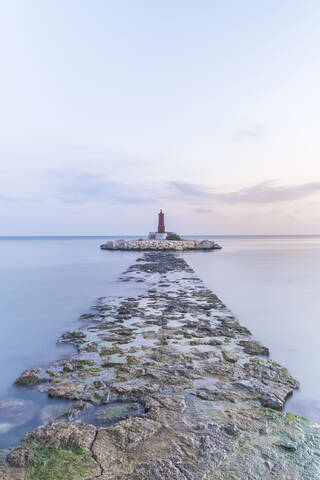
<point x="110" y="110"/>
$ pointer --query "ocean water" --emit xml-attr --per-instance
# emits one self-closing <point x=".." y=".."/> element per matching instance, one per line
<point x="45" y="285"/>
<point x="270" y="283"/>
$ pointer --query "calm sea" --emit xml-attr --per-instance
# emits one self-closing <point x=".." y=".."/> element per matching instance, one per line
<point x="270" y="283"/>
<point x="45" y="285"/>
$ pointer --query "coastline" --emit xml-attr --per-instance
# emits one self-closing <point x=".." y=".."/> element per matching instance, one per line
<point x="192" y="395"/>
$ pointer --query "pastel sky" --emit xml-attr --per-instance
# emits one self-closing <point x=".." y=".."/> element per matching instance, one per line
<point x="112" y="109"/>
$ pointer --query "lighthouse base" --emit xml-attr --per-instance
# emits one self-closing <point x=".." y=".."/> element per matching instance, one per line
<point x="157" y="236"/>
<point x="161" y="236"/>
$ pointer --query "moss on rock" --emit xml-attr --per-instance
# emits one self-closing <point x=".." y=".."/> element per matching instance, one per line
<point x="59" y="463"/>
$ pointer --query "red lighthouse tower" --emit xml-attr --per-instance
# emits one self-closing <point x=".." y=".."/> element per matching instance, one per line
<point x="161" y="233"/>
<point x="161" y="228"/>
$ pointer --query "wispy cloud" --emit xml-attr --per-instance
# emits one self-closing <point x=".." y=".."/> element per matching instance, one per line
<point x="265" y="192"/>
<point x="246" y="128"/>
<point x="6" y="199"/>
<point x="12" y="200"/>
<point x="189" y="189"/>
<point x="202" y="210"/>
<point x="80" y="187"/>
<point x="253" y="132"/>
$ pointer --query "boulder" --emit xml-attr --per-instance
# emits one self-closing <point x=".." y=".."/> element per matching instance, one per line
<point x="120" y="244"/>
<point x="69" y="390"/>
<point x="253" y="347"/>
<point x="153" y="245"/>
<point x="206" y="244"/>
<point x="108" y="245"/>
<point x="61" y="433"/>
<point x="29" y="378"/>
<point x="230" y="356"/>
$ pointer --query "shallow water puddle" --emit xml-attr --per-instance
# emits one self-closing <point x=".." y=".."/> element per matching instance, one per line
<point x="110" y="413"/>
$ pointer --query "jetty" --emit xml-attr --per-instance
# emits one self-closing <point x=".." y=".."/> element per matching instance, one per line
<point x="165" y="384"/>
<point x="161" y="240"/>
<point x="174" y="245"/>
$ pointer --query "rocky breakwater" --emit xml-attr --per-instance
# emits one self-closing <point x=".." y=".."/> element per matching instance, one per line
<point x="166" y="384"/>
<point x="176" y="245"/>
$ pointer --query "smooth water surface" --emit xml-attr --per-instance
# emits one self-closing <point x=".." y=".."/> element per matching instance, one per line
<point x="272" y="286"/>
<point x="45" y="285"/>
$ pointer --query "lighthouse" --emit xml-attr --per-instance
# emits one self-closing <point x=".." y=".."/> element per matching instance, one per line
<point x="161" y="233"/>
<point x="161" y="228"/>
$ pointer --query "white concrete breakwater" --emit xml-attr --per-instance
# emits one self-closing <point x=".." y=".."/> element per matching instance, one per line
<point x="177" y="245"/>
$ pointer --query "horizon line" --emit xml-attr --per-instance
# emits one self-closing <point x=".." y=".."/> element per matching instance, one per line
<point x="145" y="235"/>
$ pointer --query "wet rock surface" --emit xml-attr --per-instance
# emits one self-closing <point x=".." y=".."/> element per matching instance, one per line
<point x="29" y="378"/>
<point x="166" y="385"/>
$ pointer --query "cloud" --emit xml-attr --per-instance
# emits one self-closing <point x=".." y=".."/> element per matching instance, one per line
<point x="202" y="210"/>
<point x="189" y="189"/>
<point x="81" y="187"/>
<point x="265" y="192"/>
<point x="253" y="132"/>
<point x="244" y="128"/>
<point x="5" y="199"/>
<point x="12" y="200"/>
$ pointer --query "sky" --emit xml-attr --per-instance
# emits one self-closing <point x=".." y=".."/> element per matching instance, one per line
<point x="113" y="109"/>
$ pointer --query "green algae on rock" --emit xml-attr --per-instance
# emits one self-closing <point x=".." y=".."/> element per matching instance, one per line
<point x="57" y="451"/>
<point x="59" y="463"/>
